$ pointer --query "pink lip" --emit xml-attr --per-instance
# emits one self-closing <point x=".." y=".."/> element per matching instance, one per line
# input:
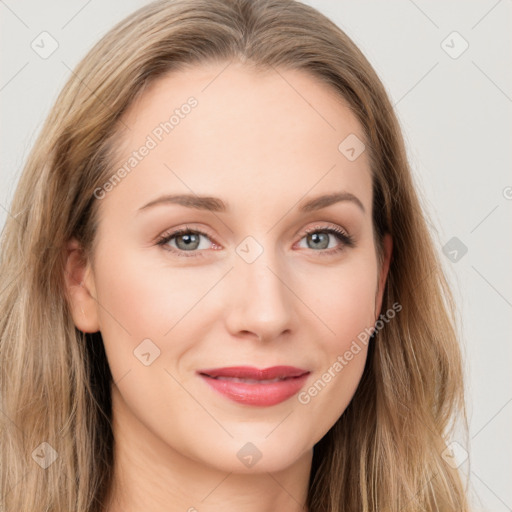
<point x="290" y="381"/>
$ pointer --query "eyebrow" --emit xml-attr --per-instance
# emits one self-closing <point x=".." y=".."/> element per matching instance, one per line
<point x="216" y="204"/>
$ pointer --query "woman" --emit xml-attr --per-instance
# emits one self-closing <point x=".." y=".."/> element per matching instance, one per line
<point x="219" y="288"/>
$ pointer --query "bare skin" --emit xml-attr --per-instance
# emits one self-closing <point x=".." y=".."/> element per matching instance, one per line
<point x="254" y="142"/>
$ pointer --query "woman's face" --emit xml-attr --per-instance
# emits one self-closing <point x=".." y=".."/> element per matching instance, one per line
<point x="246" y="285"/>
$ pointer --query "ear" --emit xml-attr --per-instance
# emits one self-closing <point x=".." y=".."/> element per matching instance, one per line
<point x="79" y="281"/>
<point x="387" y="245"/>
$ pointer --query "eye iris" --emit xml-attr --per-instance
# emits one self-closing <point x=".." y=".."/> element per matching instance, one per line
<point x="316" y="237"/>
<point x="191" y="241"/>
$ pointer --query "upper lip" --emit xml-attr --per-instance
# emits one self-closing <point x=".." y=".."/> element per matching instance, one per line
<point x="250" y="372"/>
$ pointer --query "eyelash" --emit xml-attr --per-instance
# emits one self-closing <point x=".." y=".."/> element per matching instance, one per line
<point x="346" y="239"/>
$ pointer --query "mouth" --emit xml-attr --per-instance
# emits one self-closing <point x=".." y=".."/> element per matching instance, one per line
<point x="255" y="387"/>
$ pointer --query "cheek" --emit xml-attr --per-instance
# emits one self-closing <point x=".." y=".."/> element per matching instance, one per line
<point x="345" y="302"/>
<point x="344" y="299"/>
<point x="139" y="301"/>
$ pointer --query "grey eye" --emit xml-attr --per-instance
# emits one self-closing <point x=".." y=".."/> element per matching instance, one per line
<point x="320" y="240"/>
<point x="188" y="241"/>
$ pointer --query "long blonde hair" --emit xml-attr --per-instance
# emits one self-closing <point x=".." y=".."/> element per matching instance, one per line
<point x="385" y="452"/>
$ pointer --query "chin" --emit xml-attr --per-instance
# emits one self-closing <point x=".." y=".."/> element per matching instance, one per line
<point x="251" y="454"/>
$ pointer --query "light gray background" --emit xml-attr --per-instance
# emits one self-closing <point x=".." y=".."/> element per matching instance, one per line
<point x="455" y="113"/>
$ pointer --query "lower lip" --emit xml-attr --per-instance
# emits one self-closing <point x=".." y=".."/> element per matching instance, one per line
<point x="262" y="395"/>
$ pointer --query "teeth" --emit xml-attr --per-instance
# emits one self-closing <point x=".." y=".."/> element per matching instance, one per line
<point x="251" y="381"/>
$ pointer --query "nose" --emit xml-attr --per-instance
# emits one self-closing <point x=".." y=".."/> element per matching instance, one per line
<point x="260" y="304"/>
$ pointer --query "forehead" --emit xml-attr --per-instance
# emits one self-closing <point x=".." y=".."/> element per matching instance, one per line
<point x="249" y="132"/>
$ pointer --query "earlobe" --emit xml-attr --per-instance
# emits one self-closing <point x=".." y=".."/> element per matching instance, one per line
<point x="80" y="288"/>
<point x="387" y="244"/>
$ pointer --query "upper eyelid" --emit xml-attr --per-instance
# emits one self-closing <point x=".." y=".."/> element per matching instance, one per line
<point x="325" y="227"/>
